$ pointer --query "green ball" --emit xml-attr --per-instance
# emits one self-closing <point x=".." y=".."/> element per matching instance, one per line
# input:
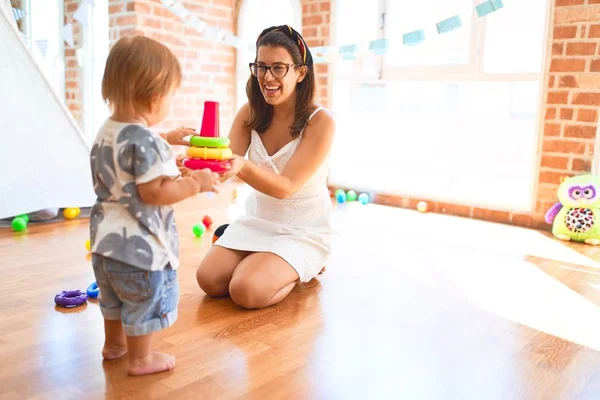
<point x="351" y="195"/>
<point x="18" y="224"/>
<point x="25" y="217"/>
<point x="199" y="229"/>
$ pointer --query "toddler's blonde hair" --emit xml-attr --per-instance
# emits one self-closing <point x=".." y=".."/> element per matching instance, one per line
<point x="139" y="69"/>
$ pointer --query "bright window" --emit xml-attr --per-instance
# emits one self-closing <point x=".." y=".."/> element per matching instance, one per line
<point x="454" y="118"/>
<point x="254" y="17"/>
<point x="42" y="25"/>
<point x="95" y="52"/>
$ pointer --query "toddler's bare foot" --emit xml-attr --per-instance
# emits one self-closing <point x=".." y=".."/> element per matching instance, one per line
<point x="110" y="352"/>
<point x="153" y="363"/>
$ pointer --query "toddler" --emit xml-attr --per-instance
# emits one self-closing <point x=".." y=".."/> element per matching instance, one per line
<point x="132" y="225"/>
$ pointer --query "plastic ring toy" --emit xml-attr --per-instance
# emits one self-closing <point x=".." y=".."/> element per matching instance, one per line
<point x="93" y="291"/>
<point x="210" y="153"/>
<point x="70" y="298"/>
<point x="213" y="165"/>
<point x="201" y="141"/>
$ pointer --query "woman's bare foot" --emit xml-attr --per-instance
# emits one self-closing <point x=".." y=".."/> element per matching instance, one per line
<point x="111" y="352"/>
<point x="153" y="363"/>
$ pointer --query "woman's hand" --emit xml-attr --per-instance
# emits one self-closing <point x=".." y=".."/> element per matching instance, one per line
<point x="237" y="165"/>
<point x="176" y="137"/>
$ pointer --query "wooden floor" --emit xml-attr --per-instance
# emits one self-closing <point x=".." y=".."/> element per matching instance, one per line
<point x="412" y="306"/>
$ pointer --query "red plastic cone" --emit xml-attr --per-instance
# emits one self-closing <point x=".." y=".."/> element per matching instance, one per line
<point x="210" y="120"/>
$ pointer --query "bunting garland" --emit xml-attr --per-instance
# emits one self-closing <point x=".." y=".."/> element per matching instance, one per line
<point x="322" y="54"/>
<point x="326" y="54"/>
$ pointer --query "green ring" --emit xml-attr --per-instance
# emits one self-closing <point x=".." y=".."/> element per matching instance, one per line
<point x="201" y="141"/>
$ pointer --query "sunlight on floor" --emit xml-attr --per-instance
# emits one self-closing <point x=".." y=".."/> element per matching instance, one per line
<point x="442" y="230"/>
<point x="523" y="293"/>
<point x="484" y="263"/>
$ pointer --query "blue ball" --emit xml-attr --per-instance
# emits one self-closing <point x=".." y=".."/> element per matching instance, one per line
<point x="363" y="198"/>
<point x="340" y="197"/>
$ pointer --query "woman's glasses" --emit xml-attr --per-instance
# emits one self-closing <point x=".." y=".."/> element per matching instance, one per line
<point x="278" y="70"/>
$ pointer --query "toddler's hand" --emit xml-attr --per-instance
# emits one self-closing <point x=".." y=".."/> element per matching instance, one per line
<point x="209" y="181"/>
<point x="179" y="162"/>
<point x="176" y="137"/>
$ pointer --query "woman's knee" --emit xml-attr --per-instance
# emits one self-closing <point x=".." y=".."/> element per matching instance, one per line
<point x="215" y="270"/>
<point x="248" y="293"/>
<point x="211" y="282"/>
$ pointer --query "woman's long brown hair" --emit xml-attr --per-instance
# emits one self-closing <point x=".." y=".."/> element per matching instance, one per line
<point x="261" y="113"/>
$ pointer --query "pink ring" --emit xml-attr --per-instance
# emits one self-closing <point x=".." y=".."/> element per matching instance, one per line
<point x="217" y="166"/>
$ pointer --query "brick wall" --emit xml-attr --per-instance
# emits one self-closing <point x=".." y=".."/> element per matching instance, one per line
<point x="573" y="97"/>
<point x="208" y="67"/>
<point x="316" y="22"/>
<point x="73" y="73"/>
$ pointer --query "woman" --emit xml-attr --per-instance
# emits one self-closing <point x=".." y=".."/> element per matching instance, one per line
<point x="285" y="236"/>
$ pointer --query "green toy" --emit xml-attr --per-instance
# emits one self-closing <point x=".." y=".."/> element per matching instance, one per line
<point x="199" y="229"/>
<point x="351" y="195"/>
<point x="18" y="224"/>
<point x="574" y="216"/>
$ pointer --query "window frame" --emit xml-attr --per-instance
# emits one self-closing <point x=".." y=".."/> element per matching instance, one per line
<point x="88" y="93"/>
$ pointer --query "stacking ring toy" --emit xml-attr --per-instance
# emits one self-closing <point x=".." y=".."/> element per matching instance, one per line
<point x="93" y="291"/>
<point x="210" y="153"/>
<point x="201" y="141"/>
<point x="70" y="298"/>
<point x="214" y="165"/>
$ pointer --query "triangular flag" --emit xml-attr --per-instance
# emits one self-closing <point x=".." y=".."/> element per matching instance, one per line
<point x="42" y="45"/>
<point x="179" y="10"/>
<point x="196" y="23"/>
<point x="81" y="14"/>
<point x="18" y="13"/>
<point x="67" y="34"/>
<point x="24" y="36"/>
<point x="230" y="39"/>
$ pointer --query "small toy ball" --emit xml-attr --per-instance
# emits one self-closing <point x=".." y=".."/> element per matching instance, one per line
<point x="219" y="232"/>
<point x="199" y="229"/>
<point x="88" y="245"/>
<point x="422" y="206"/>
<point x="351" y="195"/>
<point x="207" y="221"/>
<point x="18" y="224"/>
<point x="363" y="198"/>
<point x="71" y="213"/>
<point x="25" y="217"/>
<point x="70" y="298"/>
<point x="93" y="291"/>
<point x="340" y="196"/>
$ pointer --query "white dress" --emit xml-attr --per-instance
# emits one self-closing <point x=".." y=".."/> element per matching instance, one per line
<point x="297" y="229"/>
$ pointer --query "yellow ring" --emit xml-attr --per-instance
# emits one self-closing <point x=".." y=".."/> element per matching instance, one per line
<point x="210" y="153"/>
